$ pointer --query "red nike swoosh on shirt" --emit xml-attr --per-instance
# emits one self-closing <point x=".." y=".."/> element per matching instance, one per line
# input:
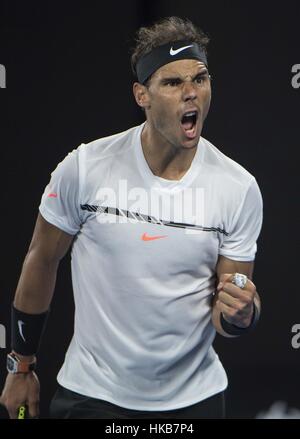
<point x="52" y="195"/>
<point x="146" y="237"/>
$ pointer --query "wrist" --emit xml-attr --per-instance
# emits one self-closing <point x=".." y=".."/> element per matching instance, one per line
<point x="17" y="365"/>
<point x="27" y="330"/>
<point x="241" y="323"/>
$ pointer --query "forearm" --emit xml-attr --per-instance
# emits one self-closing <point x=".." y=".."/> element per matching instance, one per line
<point x="29" y="314"/>
<point x="36" y="284"/>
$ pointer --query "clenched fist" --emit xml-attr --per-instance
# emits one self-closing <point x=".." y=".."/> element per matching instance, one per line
<point x="236" y="304"/>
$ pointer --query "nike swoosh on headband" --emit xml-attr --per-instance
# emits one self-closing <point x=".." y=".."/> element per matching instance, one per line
<point x="174" y="52"/>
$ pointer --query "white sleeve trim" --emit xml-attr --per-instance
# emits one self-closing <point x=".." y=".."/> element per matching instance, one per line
<point x="56" y="222"/>
<point x="238" y="258"/>
<point x="241" y="244"/>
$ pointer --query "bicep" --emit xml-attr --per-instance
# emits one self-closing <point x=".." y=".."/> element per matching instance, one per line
<point x="49" y="242"/>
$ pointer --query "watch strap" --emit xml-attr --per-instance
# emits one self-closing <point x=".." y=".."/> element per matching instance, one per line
<point x="16" y="365"/>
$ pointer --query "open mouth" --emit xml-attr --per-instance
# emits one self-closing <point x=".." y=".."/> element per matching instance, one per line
<point x="188" y="123"/>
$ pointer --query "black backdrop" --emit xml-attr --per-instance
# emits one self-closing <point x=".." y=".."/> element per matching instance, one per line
<point x="68" y="81"/>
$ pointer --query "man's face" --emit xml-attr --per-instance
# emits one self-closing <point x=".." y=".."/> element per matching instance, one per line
<point x="179" y="95"/>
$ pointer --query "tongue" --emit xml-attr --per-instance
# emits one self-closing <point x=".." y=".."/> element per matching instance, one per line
<point x="187" y="125"/>
<point x="190" y="133"/>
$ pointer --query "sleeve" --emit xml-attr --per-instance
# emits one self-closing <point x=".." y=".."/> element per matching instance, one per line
<point x="240" y="244"/>
<point x="60" y="203"/>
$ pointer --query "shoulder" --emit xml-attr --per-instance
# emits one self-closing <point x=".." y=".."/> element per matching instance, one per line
<point x="110" y="146"/>
<point x="228" y="170"/>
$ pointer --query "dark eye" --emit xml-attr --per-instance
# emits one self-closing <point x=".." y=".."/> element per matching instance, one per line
<point x="201" y="78"/>
<point x="173" y="82"/>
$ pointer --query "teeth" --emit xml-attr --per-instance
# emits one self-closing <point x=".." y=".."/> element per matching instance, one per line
<point x="191" y="113"/>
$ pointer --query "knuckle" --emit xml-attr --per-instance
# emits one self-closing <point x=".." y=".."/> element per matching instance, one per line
<point x="248" y="300"/>
<point x="219" y="305"/>
<point x="231" y="312"/>
<point x="224" y="276"/>
<point x="240" y="306"/>
<point x="250" y="287"/>
<point x="221" y="295"/>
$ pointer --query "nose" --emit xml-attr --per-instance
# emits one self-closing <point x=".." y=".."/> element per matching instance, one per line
<point x="189" y="91"/>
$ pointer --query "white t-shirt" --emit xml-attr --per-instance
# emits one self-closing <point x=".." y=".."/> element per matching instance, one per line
<point x="143" y="268"/>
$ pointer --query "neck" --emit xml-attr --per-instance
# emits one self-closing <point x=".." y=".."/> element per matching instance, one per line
<point x="164" y="159"/>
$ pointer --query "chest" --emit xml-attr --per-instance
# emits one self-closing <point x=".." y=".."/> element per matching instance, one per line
<point x="155" y="231"/>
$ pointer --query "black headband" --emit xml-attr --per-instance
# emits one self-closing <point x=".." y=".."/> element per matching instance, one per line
<point x="165" y="54"/>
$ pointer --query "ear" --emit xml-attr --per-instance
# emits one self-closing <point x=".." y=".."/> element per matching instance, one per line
<point x="141" y="95"/>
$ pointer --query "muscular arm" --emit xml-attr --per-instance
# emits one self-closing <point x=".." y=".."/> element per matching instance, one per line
<point x="37" y="281"/>
<point x="225" y="269"/>
<point x="33" y="296"/>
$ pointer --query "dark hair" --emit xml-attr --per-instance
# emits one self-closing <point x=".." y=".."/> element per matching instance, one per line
<point x="166" y="30"/>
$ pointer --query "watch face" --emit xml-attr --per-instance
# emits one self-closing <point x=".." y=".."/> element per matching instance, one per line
<point x="11" y="364"/>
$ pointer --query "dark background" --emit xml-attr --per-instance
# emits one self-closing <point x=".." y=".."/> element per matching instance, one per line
<point x="69" y="81"/>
